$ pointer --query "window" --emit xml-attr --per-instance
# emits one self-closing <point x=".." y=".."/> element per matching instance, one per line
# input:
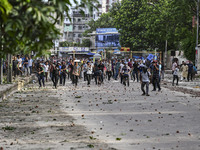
<point x="74" y="27"/>
<point x="79" y="20"/>
<point x="80" y="28"/>
<point x="79" y="35"/>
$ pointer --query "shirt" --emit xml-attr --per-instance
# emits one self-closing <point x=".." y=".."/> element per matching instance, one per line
<point x="30" y="62"/>
<point x="46" y="68"/>
<point x="89" y="69"/>
<point x="176" y="72"/>
<point x="76" y="70"/>
<point x="125" y="69"/>
<point x="19" y="62"/>
<point x="145" y="76"/>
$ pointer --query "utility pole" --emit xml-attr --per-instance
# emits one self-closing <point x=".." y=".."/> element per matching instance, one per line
<point x="1" y="70"/>
<point x="165" y="55"/>
<point x="197" y="38"/>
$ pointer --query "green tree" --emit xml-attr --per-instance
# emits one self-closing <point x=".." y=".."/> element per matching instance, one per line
<point x="31" y="24"/>
<point x="105" y="21"/>
<point x="86" y="43"/>
<point x="145" y="24"/>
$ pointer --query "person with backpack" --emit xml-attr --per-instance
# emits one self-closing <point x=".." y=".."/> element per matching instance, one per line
<point x="144" y="79"/>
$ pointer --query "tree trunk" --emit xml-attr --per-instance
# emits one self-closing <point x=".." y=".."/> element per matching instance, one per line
<point x="9" y="73"/>
<point x="1" y="71"/>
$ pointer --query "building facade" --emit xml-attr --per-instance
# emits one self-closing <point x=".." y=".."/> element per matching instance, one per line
<point x="74" y="28"/>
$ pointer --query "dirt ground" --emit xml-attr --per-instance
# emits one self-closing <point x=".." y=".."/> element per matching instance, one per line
<point x="32" y="119"/>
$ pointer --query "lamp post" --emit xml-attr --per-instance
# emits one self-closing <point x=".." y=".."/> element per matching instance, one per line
<point x="197" y="38"/>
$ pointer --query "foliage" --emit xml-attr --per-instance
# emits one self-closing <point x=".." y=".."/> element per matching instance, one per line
<point x="105" y="21"/>
<point x="188" y="45"/>
<point x="31" y="24"/>
<point x="85" y="43"/>
<point x="145" y="24"/>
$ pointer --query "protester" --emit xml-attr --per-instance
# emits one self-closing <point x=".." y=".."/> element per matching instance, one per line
<point x="63" y="73"/>
<point x="89" y="73"/>
<point x="46" y="70"/>
<point x="25" y="65"/>
<point x="175" y="75"/>
<point x="184" y="69"/>
<point x="144" y="79"/>
<point x="41" y="75"/>
<point x="190" y="71"/>
<point x="55" y="75"/>
<point x="76" y="73"/>
<point x="125" y="74"/>
<point x="109" y="70"/>
<point x="19" y="65"/>
<point x="135" y="71"/>
<point x="155" y="77"/>
<point x="30" y="65"/>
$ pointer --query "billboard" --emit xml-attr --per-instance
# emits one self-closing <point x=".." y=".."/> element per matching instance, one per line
<point x="106" y="30"/>
<point x="76" y="49"/>
<point x="107" y="37"/>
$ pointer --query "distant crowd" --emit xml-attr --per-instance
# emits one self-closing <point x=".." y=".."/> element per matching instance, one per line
<point x="59" y="70"/>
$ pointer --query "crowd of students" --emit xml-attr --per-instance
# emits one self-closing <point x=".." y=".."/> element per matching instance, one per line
<point x="59" y="70"/>
<point x="124" y="70"/>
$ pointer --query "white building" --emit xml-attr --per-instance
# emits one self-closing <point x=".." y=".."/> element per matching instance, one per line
<point x="73" y="30"/>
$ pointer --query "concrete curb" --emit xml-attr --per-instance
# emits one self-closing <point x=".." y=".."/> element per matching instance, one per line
<point x="15" y="87"/>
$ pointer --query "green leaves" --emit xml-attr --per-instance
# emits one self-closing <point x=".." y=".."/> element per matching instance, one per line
<point x="31" y="25"/>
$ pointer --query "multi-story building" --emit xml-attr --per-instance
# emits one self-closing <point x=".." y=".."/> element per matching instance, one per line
<point x="74" y="28"/>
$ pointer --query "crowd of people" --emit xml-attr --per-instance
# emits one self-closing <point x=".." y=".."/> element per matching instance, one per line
<point x="59" y="70"/>
<point x="188" y="71"/>
<point x="100" y="70"/>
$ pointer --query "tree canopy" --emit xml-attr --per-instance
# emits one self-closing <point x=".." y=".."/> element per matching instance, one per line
<point x="30" y="25"/>
<point x="147" y="24"/>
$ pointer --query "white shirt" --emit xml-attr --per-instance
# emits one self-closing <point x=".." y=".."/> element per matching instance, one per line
<point x="121" y="66"/>
<point x="89" y="69"/>
<point x="19" y="62"/>
<point x="46" y="68"/>
<point x="176" y="71"/>
<point x="30" y="62"/>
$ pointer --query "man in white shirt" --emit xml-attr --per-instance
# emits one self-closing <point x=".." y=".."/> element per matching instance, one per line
<point x="19" y="65"/>
<point x="121" y="66"/>
<point x="30" y="65"/>
<point x="46" y="70"/>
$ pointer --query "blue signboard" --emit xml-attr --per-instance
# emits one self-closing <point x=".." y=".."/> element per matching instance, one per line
<point x="106" y="30"/>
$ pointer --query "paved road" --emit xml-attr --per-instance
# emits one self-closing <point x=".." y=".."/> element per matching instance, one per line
<point x="109" y="116"/>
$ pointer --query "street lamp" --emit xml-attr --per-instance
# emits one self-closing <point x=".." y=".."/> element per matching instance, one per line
<point x="197" y="50"/>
